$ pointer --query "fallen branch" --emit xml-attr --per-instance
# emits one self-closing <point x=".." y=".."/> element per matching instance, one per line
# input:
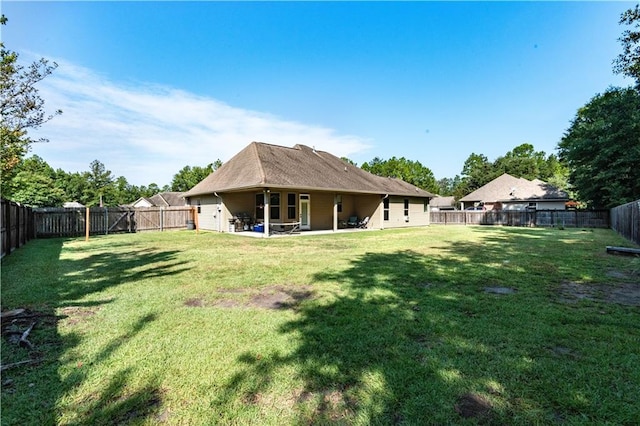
<point x="623" y="250"/>
<point x="11" y="314"/>
<point x="19" y="363"/>
<point x="23" y="340"/>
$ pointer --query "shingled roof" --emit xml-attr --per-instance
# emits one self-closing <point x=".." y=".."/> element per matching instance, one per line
<point x="262" y="165"/>
<point x="507" y="188"/>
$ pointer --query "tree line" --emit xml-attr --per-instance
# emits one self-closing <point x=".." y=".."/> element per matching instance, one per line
<point x="36" y="183"/>
<point x="597" y="159"/>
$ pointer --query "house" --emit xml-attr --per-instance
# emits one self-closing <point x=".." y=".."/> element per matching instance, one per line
<point x="266" y="185"/>
<point x="162" y="199"/>
<point x="510" y="193"/>
<point x="73" y="205"/>
<point x="439" y="203"/>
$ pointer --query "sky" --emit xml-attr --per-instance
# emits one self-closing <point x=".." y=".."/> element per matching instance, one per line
<point x="148" y="88"/>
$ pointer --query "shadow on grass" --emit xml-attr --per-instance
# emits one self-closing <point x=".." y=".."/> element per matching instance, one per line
<point x="53" y="289"/>
<point x="412" y="339"/>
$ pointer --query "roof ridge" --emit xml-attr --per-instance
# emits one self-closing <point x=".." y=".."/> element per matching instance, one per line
<point x="163" y="199"/>
<point x="263" y="175"/>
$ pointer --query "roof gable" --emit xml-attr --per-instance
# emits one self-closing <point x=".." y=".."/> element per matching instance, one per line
<point x="262" y="165"/>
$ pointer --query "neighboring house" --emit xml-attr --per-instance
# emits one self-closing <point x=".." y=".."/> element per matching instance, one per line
<point x="162" y="199"/>
<point x="439" y="203"/>
<point x="73" y="205"/>
<point x="269" y="184"/>
<point x="510" y="193"/>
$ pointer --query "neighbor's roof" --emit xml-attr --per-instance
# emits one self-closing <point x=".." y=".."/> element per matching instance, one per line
<point x="163" y="199"/>
<point x="439" y="201"/>
<point x="167" y="199"/>
<point x="262" y="165"/>
<point x="507" y="188"/>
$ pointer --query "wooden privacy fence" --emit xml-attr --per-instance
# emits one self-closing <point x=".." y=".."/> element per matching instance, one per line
<point x="625" y="220"/>
<point x="543" y="218"/>
<point x="65" y="222"/>
<point x="17" y="225"/>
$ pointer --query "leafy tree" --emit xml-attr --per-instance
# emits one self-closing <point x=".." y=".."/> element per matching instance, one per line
<point x="628" y="62"/>
<point x="447" y="186"/>
<point x="21" y="107"/>
<point x="412" y="172"/>
<point x="34" y="184"/>
<point x="73" y="185"/>
<point x="100" y="189"/>
<point x="602" y="149"/>
<point x="523" y="161"/>
<point x="477" y="171"/>
<point x="188" y="177"/>
<point x="348" y="161"/>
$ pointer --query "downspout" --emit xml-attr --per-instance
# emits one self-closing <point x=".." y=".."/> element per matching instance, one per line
<point x="219" y="214"/>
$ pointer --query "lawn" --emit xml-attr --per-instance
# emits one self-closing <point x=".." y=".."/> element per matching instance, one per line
<point x="437" y="325"/>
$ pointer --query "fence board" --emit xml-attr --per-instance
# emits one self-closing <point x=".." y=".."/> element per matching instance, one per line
<point x="16" y="225"/>
<point x="625" y="220"/>
<point x="529" y="218"/>
<point x="71" y="222"/>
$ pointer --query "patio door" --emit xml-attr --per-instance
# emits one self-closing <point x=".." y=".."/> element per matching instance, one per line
<point x="305" y="212"/>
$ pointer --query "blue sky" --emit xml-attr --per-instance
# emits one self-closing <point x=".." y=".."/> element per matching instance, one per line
<point x="150" y="87"/>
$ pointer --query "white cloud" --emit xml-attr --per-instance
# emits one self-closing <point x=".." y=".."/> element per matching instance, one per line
<point x="147" y="133"/>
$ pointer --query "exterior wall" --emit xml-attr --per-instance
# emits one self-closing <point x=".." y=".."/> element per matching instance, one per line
<point x="322" y="210"/>
<point x="209" y="218"/>
<point x="540" y="205"/>
<point x="142" y="203"/>
<point x="215" y="212"/>
<point x="417" y="215"/>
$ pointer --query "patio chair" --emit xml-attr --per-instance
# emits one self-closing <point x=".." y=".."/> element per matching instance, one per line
<point x="363" y="222"/>
<point x="353" y="221"/>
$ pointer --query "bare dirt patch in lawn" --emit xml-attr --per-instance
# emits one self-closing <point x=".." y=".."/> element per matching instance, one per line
<point x="280" y="297"/>
<point x="474" y="405"/>
<point x="77" y="314"/>
<point x="272" y="297"/>
<point x="622" y="293"/>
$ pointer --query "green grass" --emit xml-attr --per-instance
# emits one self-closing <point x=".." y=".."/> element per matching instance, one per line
<point x="385" y="327"/>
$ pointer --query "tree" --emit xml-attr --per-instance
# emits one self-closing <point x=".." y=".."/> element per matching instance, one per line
<point x="101" y="189"/>
<point x="188" y="177"/>
<point x="477" y="171"/>
<point x="21" y="107"/>
<point x="34" y="184"/>
<point x="409" y="171"/>
<point x="628" y="62"/>
<point x="602" y="149"/>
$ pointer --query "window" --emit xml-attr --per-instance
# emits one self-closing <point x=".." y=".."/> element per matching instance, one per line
<point x="385" y="208"/>
<point x="532" y="206"/>
<point x="291" y="206"/>
<point x="274" y="205"/>
<point x="406" y="207"/>
<point x="426" y="205"/>
<point x="339" y="202"/>
<point x="199" y="206"/>
<point x="259" y="206"/>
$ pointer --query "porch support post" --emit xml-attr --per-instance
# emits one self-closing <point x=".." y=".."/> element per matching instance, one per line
<point x="335" y="212"/>
<point x="267" y="211"/>
<point x="381" y="209"/>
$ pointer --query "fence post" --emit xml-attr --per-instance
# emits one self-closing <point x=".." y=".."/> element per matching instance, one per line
<point x="86" y="225"/>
